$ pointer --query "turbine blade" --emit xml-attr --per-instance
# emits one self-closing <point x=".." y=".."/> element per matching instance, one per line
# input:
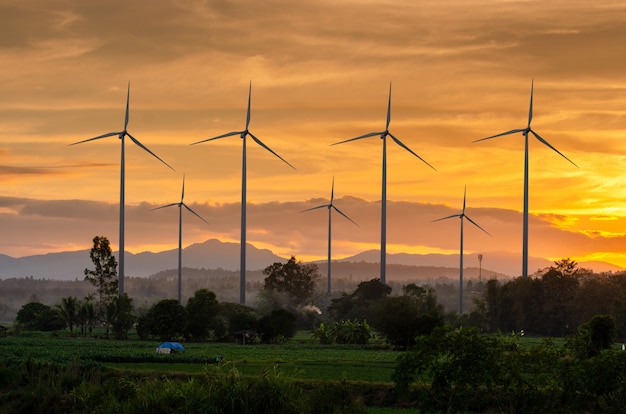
<point x="230" y="134"/>
<point x="317" y="207"/>
<point x="127" y="105"/>
<point x="513" y="131"/>
<point x="554" y="149"/>
<point x="388" y="108"/>
<point x="332" y="191"/>
<point x="194" y="213"/>
<point x="475" y="224"/>
<point x="342" y="213"/>
<point x="110" y="134"/>
<point x="182" y="195"/>
<point x="165" y="206"/>
<point x="397" y="141"/>
<point x="464" y="198"/>
<point x="150" y="152"/>
<point x="371" y="134"/>
<point x="248" y="115"/>
<point x="530" y="108"/>
<point x="448" y="217"/>
<point x="258" y="141"/>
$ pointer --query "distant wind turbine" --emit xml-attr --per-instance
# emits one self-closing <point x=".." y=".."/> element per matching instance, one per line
<point x="525" y="132"/>
<point x="243" y="134"/>
<point x="330" y="206"/>
<point x="383" y="135"/>
<point x="121" y="135"/>
<point x="462" y="216"/>
<point x="180" y="205"/>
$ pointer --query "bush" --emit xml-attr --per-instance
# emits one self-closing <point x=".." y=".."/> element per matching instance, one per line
<point x="278" y="324"/>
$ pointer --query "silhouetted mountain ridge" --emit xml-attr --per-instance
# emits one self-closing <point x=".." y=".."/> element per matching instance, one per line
<point x="214" y="254"/>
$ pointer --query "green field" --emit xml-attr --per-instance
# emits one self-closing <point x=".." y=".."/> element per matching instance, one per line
<point x="302" y="360"/>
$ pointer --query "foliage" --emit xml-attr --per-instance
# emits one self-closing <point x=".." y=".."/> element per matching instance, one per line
<point x="68" y="309"/>
<point x="120" y="313"/>
<point x="343" y="332"/>
<point x="36" y="316"/>
<point x="276" y="326"/>
<point x="294" y="278"/>
<point x="166" y="319"/>
<point x="44" y="387"/>
<point x="86" y="316"/>
<point x="360" y="304"/>
<point x="104" y="275"/>
<point x="555" y="302"/>
<point x="201" y="308"/>
<point x="460" y="370"/>
<point x="593" y="337"/>
<point x="402" y="318"/>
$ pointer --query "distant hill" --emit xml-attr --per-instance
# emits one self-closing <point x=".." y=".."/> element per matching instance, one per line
<point x="499" y="262"/>
<point x="214" y="254"/>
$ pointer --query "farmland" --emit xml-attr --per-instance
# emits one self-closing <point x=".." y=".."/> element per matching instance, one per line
<point x="301" y="360"/>
<point x="300" y="371"/>
<point x="452" y="370"/>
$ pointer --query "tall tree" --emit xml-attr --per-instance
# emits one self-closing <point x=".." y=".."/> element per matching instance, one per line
<point x="293" y="278"/>
<point x="104" y="276"/>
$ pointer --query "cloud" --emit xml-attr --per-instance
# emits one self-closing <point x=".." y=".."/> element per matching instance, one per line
<point x="45" y="226"/>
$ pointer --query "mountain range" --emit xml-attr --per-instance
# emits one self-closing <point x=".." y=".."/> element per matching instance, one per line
<point x="214" y="254"/>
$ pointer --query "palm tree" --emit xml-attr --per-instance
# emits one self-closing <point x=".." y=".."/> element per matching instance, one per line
<point x="86" y="315"/>
<point x="69" y="309"/>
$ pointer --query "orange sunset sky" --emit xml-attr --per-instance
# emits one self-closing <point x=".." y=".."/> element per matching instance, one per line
<point x="320" y="72"/>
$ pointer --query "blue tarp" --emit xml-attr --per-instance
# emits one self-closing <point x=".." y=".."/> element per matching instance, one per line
<point x="172" y="345"/>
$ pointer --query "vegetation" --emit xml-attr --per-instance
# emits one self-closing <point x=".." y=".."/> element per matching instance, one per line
<point x="451" y="363"/>
<point x="554" y="303"/>
<point x="461" y="370"/>
<point x="290" y="284"/>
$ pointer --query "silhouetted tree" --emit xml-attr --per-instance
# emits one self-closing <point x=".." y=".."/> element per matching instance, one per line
<point x="402" y="318"/>
<point x="104" y="276"/>
<point x="120" y="315"/>
<point x="202" y="309"/>
<point x="166" y="319"/>
<point x="36" y="316"/>
<point x="68" y="309"/>
<point x="279" y="323"/>
<point x="361" y="304"/>
<point x="295" y="279"/>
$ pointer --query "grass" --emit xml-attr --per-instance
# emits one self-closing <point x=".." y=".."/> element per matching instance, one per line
<point x="300" y="359"/>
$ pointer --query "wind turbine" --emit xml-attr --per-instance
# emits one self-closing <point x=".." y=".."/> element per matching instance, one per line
<point x="462" y="216"/>
<point x="180" y="205"/>
<point x="121" y="135"/>
<point x="330" y="206"/>
<point x="525" y="132"/>
<point x="383" y="135"/>
<point x="243" y="135"/>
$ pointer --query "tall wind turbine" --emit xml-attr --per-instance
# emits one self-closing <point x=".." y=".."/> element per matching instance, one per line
<point x="383" y="135"/>
<point x="180" y="205"/>
<point x="525" y="132"/>
<point x="243" y="135"/>
<point x="462" y="216"/>
<point x="121" y="135"/>
<point x="330" y="206"/>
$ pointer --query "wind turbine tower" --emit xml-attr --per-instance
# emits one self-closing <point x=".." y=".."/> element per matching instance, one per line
<point x="243" y="135"/>
<point x="383" y="222"/>
<point x="121" y="135"/>
<point x="330" y="206"/>
<point x="462" y="216"/>
<point x="180" y="205"/>
<point x="525" y="132"/>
